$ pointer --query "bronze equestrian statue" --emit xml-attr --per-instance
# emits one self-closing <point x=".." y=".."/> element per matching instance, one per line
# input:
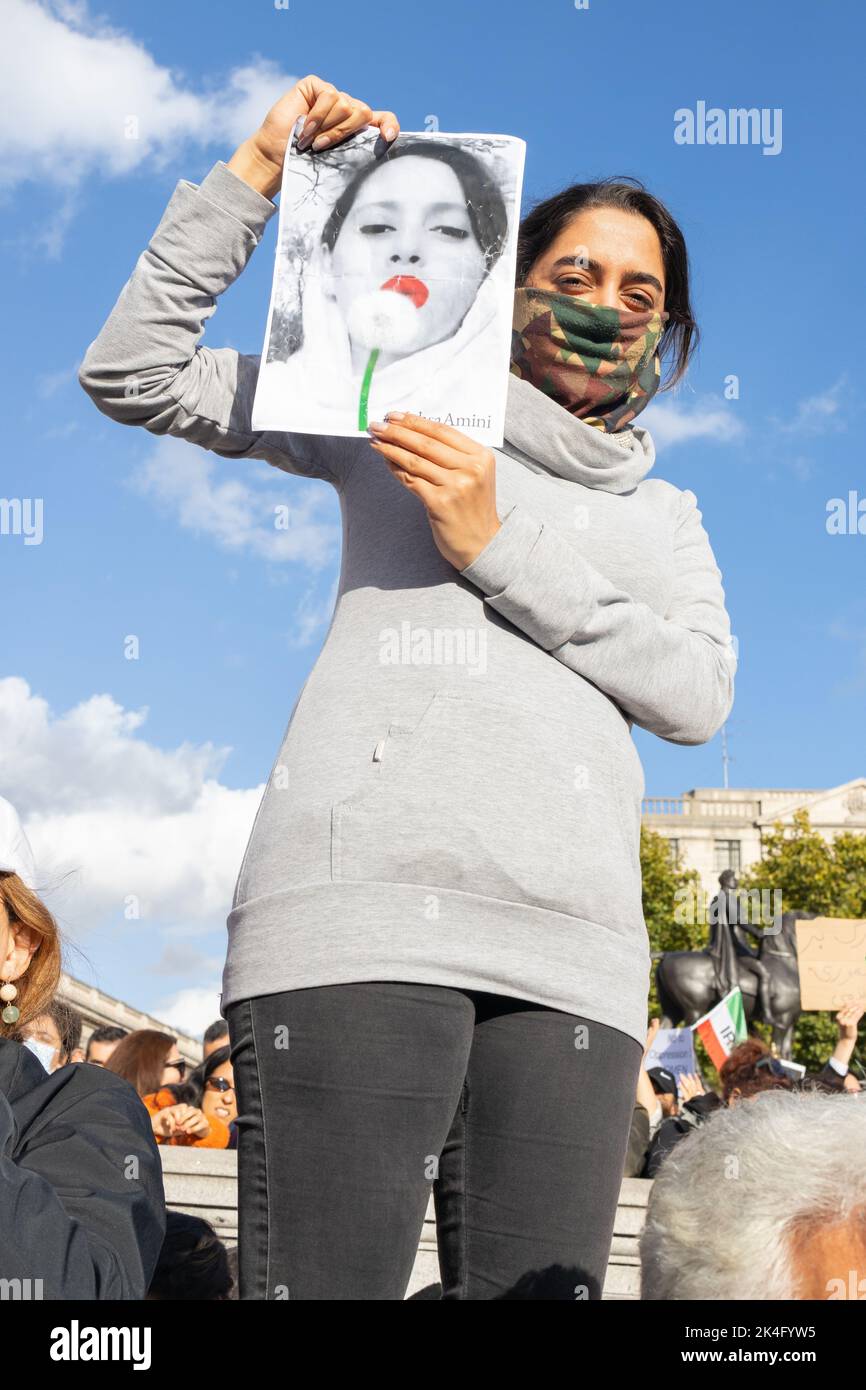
<point x="690" y="983"/>
<point x="730" y="948"/>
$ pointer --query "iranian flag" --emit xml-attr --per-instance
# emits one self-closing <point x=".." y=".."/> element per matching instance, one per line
<point x="723" y="1027"/>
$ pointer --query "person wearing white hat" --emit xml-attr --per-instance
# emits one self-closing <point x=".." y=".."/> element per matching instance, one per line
<point x="16" y="856"/>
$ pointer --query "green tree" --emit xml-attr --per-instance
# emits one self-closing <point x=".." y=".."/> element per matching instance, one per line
<point x="849" y="852"/>
<point x="799" y="862"/>
<point x="665" y="884"/>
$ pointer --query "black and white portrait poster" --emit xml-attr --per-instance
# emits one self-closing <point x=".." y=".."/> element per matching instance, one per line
<point x="393" y="285"/>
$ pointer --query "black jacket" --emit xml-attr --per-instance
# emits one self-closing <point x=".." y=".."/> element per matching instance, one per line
<point x="82" y="1206"/>
<point x="692" y="1114"/>
<point x="638" y="1143"/>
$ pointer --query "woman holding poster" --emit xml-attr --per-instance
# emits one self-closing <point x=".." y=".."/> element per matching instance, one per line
<point x="438" y="965"/>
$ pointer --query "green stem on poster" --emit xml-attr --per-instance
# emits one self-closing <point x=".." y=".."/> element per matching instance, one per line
<point x="365" y="390"/>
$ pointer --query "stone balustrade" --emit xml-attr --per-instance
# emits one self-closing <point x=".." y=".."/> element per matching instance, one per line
<point x="681" y="806"/>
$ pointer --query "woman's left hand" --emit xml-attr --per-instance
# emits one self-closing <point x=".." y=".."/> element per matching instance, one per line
<point x="454" y="477"/>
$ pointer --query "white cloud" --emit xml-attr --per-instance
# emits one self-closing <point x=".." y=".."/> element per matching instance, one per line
<point x="801" y="466"/>
<point x="49" y="383"/>
<point x="670" y="422"/>
<point x="83" y="96"/>
<point x="130" y="822"/>
<point x="240" y="514"/>
<point x="819" y="413"/>
<point x="311" y="614"/>
<point x="179" y="959"/>
<point x="190" y="1010"/>
<point x="91" y="757"/>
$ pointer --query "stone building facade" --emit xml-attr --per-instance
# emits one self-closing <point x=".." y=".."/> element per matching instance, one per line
<point x="98" y="1010"/>
<point x="715" y="828"/>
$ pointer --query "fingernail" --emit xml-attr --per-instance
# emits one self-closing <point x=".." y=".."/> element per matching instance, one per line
<point x="376" y="426"/>
<point x="321" y="141"/>
<point x="389" y="132"/>
<point x="307" y="133"/>
<point x="394" y="414"/>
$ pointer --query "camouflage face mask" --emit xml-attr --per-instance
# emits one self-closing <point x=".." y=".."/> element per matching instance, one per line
<point x="601" y="364"/>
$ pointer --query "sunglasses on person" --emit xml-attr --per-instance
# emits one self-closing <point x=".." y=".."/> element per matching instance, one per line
<point x="770" y="1064"/>
<point x="218" y="1083"/>
<point x="179" y="1066"/>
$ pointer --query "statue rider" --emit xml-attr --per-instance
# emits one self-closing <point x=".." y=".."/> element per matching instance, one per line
<point x="730" y="949"/>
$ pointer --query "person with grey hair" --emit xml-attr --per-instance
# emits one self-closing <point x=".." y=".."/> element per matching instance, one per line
<point x="768" y="1201"/>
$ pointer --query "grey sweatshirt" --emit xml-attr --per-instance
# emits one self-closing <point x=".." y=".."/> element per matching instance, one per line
<point x="457" y="797"/>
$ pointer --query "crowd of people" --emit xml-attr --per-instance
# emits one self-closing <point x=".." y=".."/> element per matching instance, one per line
<point x="198" y="1109"/>
<point x="668" y="1107"/>
<point x="766" y="1198"/>
<point x="191" y="1107"/>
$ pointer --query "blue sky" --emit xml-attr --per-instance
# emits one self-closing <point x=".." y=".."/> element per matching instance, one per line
<point x="149" y="538"/>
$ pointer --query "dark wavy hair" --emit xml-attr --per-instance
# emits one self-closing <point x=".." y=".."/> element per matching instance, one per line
<point x="193" y="1262"/>
<point x="740" y="1072"/>
<point x="485" y="205"/>
<point x="547" y="219"/>
<point x="199" y="1077"/>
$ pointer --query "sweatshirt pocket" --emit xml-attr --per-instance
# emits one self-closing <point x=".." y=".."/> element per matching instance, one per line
<point x="489" y="797"/>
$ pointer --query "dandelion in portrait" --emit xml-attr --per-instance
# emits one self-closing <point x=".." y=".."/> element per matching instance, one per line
<point x="393" y="285"/>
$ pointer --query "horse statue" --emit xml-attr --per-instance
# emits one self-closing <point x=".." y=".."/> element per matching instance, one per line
<point x="689" y="985"/>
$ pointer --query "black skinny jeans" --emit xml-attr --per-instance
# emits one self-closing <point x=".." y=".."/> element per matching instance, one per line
<point x="354" y="1098"/>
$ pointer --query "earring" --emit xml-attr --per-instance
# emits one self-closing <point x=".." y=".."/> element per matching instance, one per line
<point x="11" y="1013"/>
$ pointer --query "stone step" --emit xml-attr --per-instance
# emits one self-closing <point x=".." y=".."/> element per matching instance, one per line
<point x="203" y="1182"/>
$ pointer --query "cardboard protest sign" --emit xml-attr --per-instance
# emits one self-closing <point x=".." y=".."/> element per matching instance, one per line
<point x="831" y="954"/>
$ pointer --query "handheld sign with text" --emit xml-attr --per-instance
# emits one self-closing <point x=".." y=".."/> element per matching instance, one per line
<point x="674" y="1049"/>
<point x="831" y="954"/>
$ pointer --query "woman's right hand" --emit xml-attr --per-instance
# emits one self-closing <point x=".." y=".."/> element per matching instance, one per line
<point x="162" y="1123"/>
<point x="331" y="116"/>
<point x="180" y="1119"/>
<point x="690" y="1086"/>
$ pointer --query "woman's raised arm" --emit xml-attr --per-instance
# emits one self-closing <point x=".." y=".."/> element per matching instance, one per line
<point x="145" y="367"/>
